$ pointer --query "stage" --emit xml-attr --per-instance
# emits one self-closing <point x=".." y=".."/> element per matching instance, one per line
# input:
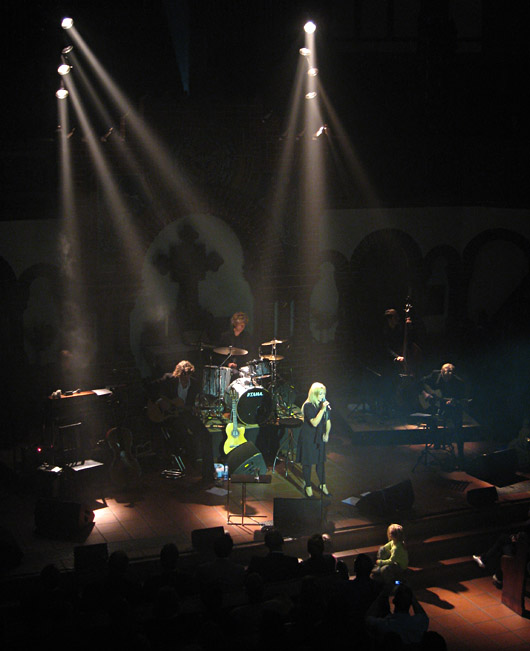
<point x="365" y="456"/>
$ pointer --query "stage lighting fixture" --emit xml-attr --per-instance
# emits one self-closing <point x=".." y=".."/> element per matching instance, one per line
<point x="312" y="72"/>
<point x="305" y="51"/>
<point x="66" y="23"/>
<point x="66" y="50"/>
<point x="107" y="135"/>
<point x="323" y="130"/>
<point x="62" y="93"/>
<point x="311" y="95"/>
<point x="309" y="27"/>
<point x="64" y="69"/>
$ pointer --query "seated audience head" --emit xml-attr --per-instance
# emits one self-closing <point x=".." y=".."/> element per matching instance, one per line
<point x="118" y="562"/>
<point x="315" y="545"/>
<point x="274" y="540"/>
<point x="395" y="533"/>
<point x="254" y="587"/>
<point x="402" y="599"/>
<point x="362" y="566"/>
<point x="223" y="546"/>
<point x="169" y="555"/>
<point x="342" y="570"/>
<point x="433" y="641"/>
<point x="50" y="576"/>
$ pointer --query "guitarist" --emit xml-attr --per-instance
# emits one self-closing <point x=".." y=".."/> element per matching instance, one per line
<point x="444" y="393"/>
<point x="172" y="398"/>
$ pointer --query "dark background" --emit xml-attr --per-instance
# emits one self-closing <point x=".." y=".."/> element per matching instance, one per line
<point x="436" y="116"/>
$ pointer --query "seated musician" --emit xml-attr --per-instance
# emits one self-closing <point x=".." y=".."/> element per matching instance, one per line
<point x="238" y="337"/>
<point x="444" y="392"/>
<point x="172" y="400"/>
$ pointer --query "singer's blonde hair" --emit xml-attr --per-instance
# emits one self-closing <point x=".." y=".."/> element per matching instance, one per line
<point x="313" y="390"/>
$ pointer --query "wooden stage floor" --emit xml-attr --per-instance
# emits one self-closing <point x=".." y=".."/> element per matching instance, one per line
<point x="364" y="458"/>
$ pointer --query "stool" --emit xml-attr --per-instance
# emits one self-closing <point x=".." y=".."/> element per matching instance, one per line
<point x="289" y="452"/>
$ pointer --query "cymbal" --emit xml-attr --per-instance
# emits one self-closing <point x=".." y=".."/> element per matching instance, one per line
<point x="273" y="358"/>
<point x="273" y="342"/>
<point x="228" y="350"/>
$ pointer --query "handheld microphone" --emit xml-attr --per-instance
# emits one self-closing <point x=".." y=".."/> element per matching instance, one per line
<point x="328" y="406"/>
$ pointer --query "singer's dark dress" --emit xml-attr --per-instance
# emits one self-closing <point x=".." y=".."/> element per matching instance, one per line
<point x="311" y="448"/>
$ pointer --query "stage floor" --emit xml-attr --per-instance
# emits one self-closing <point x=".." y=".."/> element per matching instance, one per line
<point x="161" y="510"/>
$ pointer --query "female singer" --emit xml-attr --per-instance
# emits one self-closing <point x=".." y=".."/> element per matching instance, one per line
<point x="314" y="435"/>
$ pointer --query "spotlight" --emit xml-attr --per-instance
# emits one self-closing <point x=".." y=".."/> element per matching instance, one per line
<point x="323" y="130"/>
<point x="62" y="93"/>
<point x="67" y="49"/>
<point x="304" y="51"/>
<point x="107" y="135"/>
<point x="312" y="72"/>
<point x="66" y="23"/>
<point x="311" y="95"/>
<point x="64" y="69"/>
<point x="309" y="27"/>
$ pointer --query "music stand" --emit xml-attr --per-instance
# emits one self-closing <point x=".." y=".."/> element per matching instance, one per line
<point x="244" y="480"/>
<point x="430" y="422"/>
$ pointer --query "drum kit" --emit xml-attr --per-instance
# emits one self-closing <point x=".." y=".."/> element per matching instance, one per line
<point x="254" y="385"/>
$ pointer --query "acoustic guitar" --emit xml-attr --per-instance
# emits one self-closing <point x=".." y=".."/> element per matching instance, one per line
<point x="438" y="400"/>
<point x="235" y="434"/>
<point x="164" y="408"/>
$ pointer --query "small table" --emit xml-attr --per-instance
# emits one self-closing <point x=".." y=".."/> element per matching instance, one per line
<point x="244" y="480"/>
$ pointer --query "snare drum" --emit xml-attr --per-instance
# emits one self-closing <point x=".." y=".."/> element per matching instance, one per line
<point x="254" y="403"/>
<point x="215" y="380"/>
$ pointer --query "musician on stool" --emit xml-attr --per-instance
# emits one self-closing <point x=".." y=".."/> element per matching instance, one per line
<point x="172" y="401"/>
<point x="445" y="392"/>
<point x="238" y="337"/>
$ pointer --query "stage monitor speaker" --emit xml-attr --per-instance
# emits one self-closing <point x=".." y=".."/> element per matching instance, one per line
<point x="483" y="496"/>
<point x="246" y="459"/>
<point x="61" y="518"/>
<point x="392" y="499"/>
<point x="91" y="557"/>
<point x="497" y="468"/>
<point x="298" y="515"/>
<point x="202" y="539"/>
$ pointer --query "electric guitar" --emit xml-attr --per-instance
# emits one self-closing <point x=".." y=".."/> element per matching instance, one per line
<point x="164" y="408"/>
<point x="235" y="434"/>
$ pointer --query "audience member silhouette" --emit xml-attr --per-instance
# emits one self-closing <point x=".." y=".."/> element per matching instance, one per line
<point x="318" y="562"/>
<point x="275" y="566"/>
<point x="161" y="626"/>
<point x="380" y="620"/>
<point x="228" y="573"/>
<point x="504" y="545"/>
<point x="116" y="585"/>
<point x="169" y="576"/>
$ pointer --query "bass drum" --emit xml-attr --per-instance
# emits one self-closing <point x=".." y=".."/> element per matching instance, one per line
<point x="254" y="403"/>
<point x="215" y="380"/>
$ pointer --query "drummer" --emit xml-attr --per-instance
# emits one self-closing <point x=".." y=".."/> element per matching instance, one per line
<point x="238" y="337"/>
